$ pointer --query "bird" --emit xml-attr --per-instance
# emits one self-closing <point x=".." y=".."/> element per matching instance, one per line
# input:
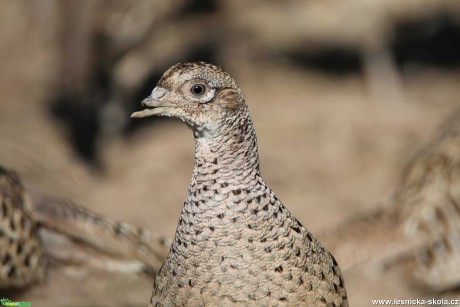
<point x="417" y="229"/>
<point x="235" y="243"/>
<point x="36" y="229"/>
<point x="426" y="203"/>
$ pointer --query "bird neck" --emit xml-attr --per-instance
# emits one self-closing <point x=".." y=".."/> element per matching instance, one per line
<point x="227" y="151"/>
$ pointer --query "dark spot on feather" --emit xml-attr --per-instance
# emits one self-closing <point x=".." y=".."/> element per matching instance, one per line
<point x="236" y="192"/>
<point x="27" y="261"/>
<point x="297" y="252"/>
<point x="334" y="262"/>
<point x="12" y="271"/>
<point x="4" y="208"/>
<point x="6" y="259"/>
<point x="12" y="225"/>
<point x="336" y="288"/>
<point x="19" y="249"/>
<point x="117" y="229"/>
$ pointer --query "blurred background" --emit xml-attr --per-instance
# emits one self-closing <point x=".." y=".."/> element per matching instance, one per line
<point x="342" y="93"/>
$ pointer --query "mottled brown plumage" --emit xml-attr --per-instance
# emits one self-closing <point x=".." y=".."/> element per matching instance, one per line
<point x="22" y="258"/>
<point x="418" y="230"/>
<point x="235" y="241"/>
<point x="29" y="222"/>
<point x="427" y="204"/>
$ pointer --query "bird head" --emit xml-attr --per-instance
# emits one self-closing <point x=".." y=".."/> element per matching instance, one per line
<point x="200" y="94"/>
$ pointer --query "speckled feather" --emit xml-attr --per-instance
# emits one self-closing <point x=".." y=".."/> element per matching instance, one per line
<point x="111" y="237"/>
<point x="23" y="252"/>
<point x="22" y="258"/>
<point x="418" y="228"/>
<point x="235" y="241"/>
<point x="427" y="204"/>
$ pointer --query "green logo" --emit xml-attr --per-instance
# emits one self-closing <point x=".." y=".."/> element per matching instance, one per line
<point x="7" y="302"/>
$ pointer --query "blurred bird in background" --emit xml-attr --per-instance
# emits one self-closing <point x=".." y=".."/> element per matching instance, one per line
<point x="37" y="229"/>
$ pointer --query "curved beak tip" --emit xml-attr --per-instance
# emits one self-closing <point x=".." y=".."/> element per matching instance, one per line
<point x="136" y="114"/>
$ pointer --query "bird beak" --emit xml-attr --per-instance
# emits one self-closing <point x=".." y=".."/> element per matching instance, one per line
<point x="154" y="105"/>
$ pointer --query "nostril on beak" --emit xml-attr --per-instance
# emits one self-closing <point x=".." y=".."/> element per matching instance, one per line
<point x="158" y="92"/>
<point x="155" y="98"/>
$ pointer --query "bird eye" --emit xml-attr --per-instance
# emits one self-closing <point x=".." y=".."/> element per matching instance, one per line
<point x="198" y="89"/>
